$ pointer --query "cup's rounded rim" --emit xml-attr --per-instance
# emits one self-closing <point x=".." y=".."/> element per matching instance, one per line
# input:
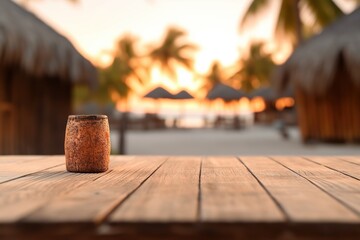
<point x="87" y="117"/>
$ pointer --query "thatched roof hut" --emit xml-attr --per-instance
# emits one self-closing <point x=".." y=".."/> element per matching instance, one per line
<point x="325" y="72"/>
<point x="37" y="69"/>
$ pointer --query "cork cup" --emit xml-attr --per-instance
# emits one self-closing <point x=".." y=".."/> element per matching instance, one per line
<point x="87" y="143"/>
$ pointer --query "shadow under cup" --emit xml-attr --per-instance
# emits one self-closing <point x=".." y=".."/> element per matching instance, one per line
<point x="87" y="143"/>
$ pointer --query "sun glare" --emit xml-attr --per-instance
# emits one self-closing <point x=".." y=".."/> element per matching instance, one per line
<point x="257" y="104"/>
<point x="284" y="102"/>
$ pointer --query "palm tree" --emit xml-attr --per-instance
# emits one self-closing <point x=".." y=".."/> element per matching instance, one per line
<point x="125" y="67"/>
<point x="173" y="51"/>
<point x="289" y="19"/>
<point x="255" y="69"/>
<point x="214" y="77"/>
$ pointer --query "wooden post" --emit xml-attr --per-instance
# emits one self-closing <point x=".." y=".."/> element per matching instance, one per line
<point x="122" y="132"/>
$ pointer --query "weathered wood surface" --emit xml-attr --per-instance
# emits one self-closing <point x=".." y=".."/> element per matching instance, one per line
<point x="225" y="182"/>
<point x="178" y="197"/>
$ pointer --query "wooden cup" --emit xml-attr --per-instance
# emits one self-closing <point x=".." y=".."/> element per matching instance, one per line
<point x="87" y="143"/>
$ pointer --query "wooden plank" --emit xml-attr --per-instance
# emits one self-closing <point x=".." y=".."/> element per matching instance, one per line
<point x="19" y="158"/>
<point x="352" y="159"/>
<point x="93" y="202"/>
<point x="301" y="200"/>
<point x="343" y="188"/>
<point x="13" y="167"/>
<point x="337" y="164"/>
<point x="169" y="195"/>
<point x="230" y="193"/>
<point x="22" y="196"/>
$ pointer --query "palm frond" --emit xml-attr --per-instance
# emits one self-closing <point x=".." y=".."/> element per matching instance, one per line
<point x="286" y="23"/>
<point x="254" y="8"/>
<point x="254" y="69"/>
<point x="324" y="11"/>
<point x="172" y="52"/>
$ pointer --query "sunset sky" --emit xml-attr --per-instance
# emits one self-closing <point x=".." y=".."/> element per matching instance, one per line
<point x="93" y="25"/>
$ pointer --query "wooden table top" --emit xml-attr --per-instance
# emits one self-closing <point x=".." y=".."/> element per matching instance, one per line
<point x="177" y="197"/>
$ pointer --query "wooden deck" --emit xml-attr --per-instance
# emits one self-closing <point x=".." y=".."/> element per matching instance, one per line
<point x="182" y="197"/>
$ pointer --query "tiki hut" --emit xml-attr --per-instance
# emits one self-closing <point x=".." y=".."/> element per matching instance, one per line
<point x="37" y="69"/>
<point x="325" y="72"/>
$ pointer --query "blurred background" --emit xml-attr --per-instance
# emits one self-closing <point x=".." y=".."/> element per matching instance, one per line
<point x="220" y="77"/>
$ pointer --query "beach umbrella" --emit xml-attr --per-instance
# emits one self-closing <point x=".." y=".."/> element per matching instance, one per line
<point x="225" y="92"/>
<point x="267" y="93"/>
<point x="159" y="93"/>
<point x="183" y="95"/>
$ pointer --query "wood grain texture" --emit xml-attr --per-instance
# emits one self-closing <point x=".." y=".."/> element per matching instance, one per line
<point x="92" y="202"/>
<point x="352" y="159"/>
<point x="301" y="200"/>
<point x="343" y="188"/>
<point x="170" y="194"/>
<point x="12" y="167"/>
<point x="230" y="193"/>
<point x="184" y="198"/>
<point x="337" y="164"/>
<point x="22" y="196"/>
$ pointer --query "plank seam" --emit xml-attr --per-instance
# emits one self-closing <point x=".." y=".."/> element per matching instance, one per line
<point x="277" y="203"/>
<point x="334" y="169"/>
<point x="198" y="210"/>
<point x="323" y="190"/>
<point x="343" y="159"/>
<point x="101" y="220"/>
<point x="29" y="174"/>
<point x="63" y="195"/>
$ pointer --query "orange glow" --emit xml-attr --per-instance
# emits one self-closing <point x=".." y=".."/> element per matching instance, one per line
<point x="257" y="104"/>
<point x="244" y="105"/>
<point x="282" y="103"/>
<point x="184" y="80"/>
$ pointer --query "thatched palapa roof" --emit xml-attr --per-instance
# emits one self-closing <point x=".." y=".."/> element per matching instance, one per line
<point x="159" y="93"/>
<point x="269" y="93"/>
<point x="314" y="64"/>
<point x="29" y="43"/>
<point x="183" y="95"/>
<point x="225" y="92"/>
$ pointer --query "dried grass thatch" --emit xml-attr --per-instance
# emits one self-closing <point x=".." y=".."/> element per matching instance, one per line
<point x="314" y="64"/>
<point x="30" y="44"/>
<point x="325" y="72"/>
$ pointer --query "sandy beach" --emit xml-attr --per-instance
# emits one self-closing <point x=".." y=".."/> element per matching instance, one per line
<point x="255" y="140"/>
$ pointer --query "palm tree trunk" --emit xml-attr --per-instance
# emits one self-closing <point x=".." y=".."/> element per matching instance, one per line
<point x="122" y="131"/>
<point x="298" y="23"/>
